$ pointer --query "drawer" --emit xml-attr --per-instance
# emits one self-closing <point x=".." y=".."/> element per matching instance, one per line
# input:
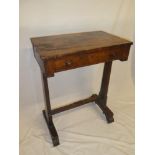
<point x="84" y="59"/>
<point x="70" y="62"/>
<point x="75" y="61"/>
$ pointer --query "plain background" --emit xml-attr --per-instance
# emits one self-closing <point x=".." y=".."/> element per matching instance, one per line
<point x="50" y="17"/>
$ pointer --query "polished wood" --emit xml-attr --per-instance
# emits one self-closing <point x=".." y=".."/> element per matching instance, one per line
<point x="52" y="130"/>
<point x="101" y="101"/>
<point x="46" y="112"/>
<point x="69" y="51"/>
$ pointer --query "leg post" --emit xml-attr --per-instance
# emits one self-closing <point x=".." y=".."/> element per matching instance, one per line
<point x="47" y="112"/>
<point x="101" y="101"/>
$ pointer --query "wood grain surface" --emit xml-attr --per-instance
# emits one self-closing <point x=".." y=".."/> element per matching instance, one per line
<point x="68" y="51"/>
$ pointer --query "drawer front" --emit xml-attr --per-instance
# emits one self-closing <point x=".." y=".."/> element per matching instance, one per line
<point x="85" y="59"/>
<point x="67" y="62"/>
<point x="70" y="62"/>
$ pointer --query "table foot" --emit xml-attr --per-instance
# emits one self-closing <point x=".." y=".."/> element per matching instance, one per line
<point x="109" y="114"/>
<point x="52" y="130"/>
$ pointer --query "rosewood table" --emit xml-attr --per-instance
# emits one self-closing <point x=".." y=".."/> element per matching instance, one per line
<point x="69" y="51"/>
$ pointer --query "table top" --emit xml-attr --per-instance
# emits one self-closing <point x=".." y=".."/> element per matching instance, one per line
<point x="66" y="44"/>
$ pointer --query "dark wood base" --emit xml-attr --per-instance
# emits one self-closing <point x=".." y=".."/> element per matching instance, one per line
<point x="102" y="105"/>
<point x="75" y="104"/>
<point x="94" y="98"/>
<point x="52" y="130"/>
<point x="100" y="100"/>
<point x="108" y="113"/>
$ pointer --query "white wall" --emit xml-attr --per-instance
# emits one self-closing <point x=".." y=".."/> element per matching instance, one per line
<point x="49" y="17"/>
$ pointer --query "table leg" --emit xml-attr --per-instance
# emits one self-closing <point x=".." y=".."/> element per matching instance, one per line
<point x="47" y="112"/>
<point x="101" y="101"/>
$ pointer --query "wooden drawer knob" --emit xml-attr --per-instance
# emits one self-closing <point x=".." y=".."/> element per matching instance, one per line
<point x="68" y="63"/>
